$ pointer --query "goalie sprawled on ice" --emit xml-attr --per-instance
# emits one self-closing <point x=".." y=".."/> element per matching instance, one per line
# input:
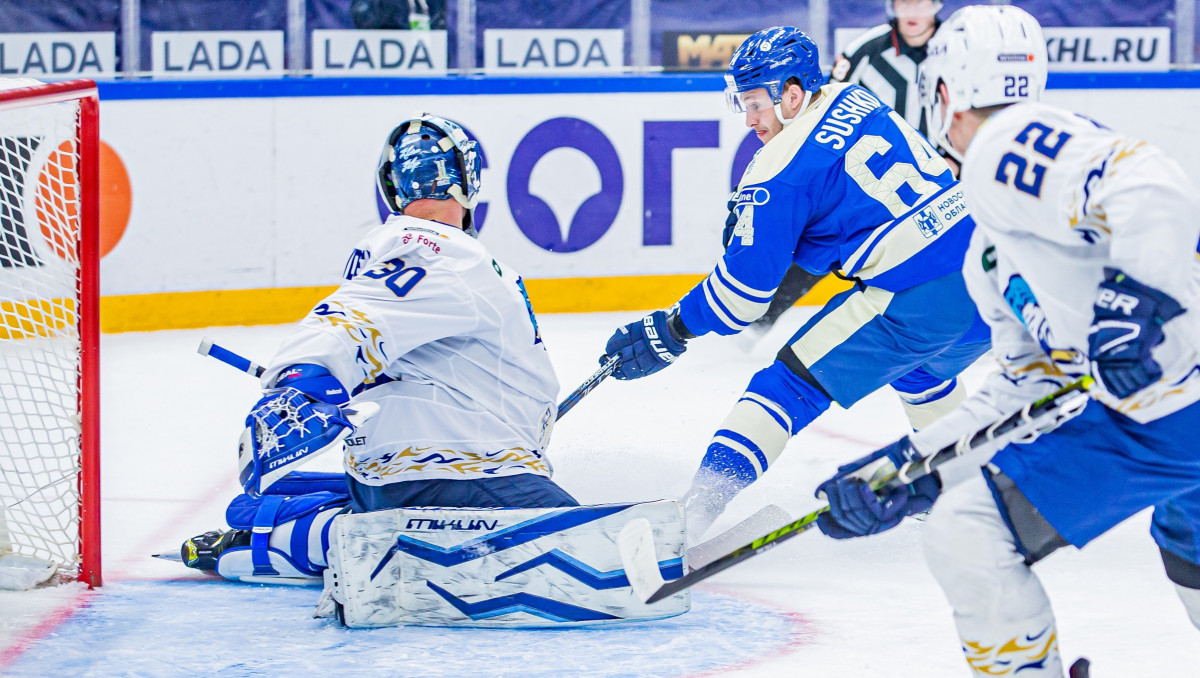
<point x="428" y="363"/>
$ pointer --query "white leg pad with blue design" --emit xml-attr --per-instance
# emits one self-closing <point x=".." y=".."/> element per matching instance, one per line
<point x="497" y="567"/>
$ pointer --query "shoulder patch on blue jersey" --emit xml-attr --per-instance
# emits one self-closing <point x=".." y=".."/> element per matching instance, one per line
<point x="844" y="116"/>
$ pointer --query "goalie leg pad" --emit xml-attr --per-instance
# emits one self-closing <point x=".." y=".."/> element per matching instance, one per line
<point x="289" y="535"/>
<point x="516" y="568"/>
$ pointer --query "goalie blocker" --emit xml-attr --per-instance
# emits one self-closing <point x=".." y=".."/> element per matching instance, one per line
<point x="495" y="567"/>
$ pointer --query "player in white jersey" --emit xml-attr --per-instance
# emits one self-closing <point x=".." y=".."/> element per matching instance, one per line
<point x="433" y="332"/>
<point x="1084" y="262"/>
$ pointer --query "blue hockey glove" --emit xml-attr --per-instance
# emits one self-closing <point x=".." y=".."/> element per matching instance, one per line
<point x="856" y="511"/>
<point x="315" y="382"/>
<point x="285" y="428"/>
<point x="1127" y="324"/>
<point x="645" y="346"/>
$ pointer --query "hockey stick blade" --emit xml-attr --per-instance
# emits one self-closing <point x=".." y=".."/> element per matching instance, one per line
<point x="636" y="543"/>
<point x="586" y="387"/>
<point x="763" y="543"/>
<point x="208" y="348"/>
<point x="761" y="521"/>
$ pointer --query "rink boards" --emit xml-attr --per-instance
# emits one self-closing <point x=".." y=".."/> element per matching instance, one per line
<point x="606" y="193"/>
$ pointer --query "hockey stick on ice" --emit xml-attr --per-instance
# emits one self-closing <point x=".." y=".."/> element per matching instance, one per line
<point x="762" y="520"/>
<point x="208" y="348"/>
<point x="637" y="542"/>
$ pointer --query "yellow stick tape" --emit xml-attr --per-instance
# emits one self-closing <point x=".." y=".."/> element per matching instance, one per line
<point x="274" y="306"/>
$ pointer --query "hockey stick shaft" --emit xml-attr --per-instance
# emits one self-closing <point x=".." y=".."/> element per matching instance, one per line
<point x="587" y="386"/>
<point x="208" y="348"/>
<point x="1039" y="415"/>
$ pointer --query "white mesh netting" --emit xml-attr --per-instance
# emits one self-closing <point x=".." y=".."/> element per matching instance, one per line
<point x="39" y="338"/>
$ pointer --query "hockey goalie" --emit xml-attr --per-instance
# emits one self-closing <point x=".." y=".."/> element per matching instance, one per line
<point x="427" y="370"/>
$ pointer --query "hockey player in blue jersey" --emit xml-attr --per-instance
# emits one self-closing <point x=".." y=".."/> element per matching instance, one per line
<point x="844" y="186"/>
<point x="1084" y="263"/>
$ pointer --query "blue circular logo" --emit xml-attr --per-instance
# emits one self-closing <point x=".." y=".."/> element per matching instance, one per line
<point x="595" y="216"/>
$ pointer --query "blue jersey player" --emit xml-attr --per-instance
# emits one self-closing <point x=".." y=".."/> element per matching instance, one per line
<point x="844" y="186"/>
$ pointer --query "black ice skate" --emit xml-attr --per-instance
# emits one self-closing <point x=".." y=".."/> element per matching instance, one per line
<point x="1080" y="669"/>
<point x="201" y="552"/>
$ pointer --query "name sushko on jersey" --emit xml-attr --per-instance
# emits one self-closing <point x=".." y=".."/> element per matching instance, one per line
<point x="848" y="186"/>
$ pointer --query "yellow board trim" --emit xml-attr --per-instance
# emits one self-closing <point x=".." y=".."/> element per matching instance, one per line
<point x="274" y="306"/>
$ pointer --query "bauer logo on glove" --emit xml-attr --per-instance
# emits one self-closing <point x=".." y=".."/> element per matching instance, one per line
<point x="1127" y="325"/>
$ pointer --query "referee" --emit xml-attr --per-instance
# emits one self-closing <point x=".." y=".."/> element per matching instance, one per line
<point x="885" y="59"/>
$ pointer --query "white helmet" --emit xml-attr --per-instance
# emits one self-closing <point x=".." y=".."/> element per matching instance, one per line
<point x="986" y="55"/>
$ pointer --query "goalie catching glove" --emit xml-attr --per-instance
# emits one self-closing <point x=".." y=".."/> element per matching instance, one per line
<point x="292" y="423"/>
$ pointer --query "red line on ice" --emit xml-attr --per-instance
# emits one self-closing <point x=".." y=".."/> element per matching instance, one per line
<point x="45" y="627"/>
<point x="802" y="633"/>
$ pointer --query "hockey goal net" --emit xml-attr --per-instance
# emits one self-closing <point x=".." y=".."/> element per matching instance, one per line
<point x="49" y="333"/>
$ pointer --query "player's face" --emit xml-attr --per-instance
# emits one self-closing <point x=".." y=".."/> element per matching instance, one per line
<point x="760" y="114"/>
<point x="915" y="20"/>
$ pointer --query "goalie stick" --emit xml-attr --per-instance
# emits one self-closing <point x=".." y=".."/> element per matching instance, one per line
<point x="636" y="540"/>
<point x="208" y="348"/>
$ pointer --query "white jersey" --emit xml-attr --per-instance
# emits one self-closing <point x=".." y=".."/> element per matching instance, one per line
<point x="442" y="336"/>
<point x="1056" y="199"/>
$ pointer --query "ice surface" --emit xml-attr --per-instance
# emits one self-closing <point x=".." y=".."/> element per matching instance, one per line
<point x="812" y="607"/>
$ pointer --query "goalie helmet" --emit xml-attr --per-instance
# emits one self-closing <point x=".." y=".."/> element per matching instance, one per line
<point x="766" y="60"/>
<point x="986" y="56"/>
<point x="429" y="157"/>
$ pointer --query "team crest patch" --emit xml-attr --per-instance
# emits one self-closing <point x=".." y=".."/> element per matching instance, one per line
<point x="928" y="222"/>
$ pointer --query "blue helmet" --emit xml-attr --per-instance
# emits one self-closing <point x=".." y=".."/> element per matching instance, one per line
<point x="767" y="59"/>
<point x="429" y="157"/>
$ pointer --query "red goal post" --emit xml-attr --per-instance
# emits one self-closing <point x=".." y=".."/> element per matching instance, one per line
<point x="49" y="328"/>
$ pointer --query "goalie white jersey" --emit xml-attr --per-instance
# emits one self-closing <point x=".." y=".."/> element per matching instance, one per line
<point x="442" y="336"/>
<point x="1057" y="198"/>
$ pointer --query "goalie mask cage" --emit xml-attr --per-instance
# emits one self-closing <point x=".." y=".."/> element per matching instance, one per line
<point x="49" y="325"/>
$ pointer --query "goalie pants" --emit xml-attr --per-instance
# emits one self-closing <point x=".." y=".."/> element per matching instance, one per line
<point x="291" y="523"/>
<point x="1068" y="486"/>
